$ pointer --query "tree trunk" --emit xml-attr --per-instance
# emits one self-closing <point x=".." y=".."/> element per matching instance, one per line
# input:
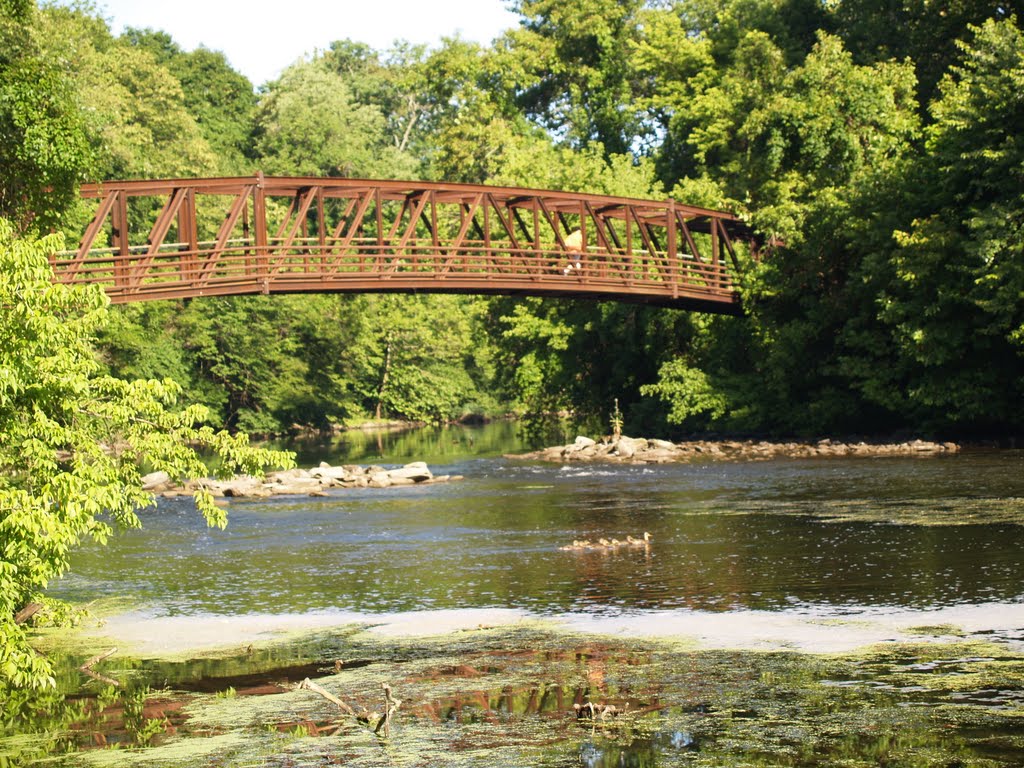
<point x="383" y="378"/>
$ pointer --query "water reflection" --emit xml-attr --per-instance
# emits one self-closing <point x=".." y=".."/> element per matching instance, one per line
<point x="433" y="444"/>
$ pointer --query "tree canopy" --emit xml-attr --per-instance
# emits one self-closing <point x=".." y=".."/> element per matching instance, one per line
<point x="876" y="143"/>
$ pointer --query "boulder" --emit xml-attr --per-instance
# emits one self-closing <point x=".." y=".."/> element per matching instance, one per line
<point x="330" y="473"/>
<point x="287" y="475"/>
<point x="582" y="442"/>
<point x="247" y="491"/>
<point x="155" y="482"/>
<point x="626" y="447"/>
<point x="417" y="471"/>
<point x="661" y="445"/>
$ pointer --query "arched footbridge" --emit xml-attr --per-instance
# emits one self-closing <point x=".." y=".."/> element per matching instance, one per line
<point x="182" y="238"/>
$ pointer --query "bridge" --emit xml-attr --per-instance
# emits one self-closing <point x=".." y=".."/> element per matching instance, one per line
<point x="185" y="238"/>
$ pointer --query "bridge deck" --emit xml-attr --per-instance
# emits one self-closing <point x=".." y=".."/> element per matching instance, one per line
<point x="178" y="238"/>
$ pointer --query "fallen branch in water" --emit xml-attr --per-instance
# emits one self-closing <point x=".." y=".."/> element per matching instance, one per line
<point x="390" y="707"/>
<point x="87" y="668"/>
<point x="372" y="719"/>
<point x="591" y="711"/>
<point x="309" y="685"/>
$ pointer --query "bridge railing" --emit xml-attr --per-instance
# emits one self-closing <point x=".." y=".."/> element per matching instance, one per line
<point x="356" y="235"/>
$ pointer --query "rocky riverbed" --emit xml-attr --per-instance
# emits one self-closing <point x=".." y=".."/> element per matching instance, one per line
<point x="640" y="450"/>
<point x="300" y="482"/>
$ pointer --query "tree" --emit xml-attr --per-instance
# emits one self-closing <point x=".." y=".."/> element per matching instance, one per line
<point x="221" y="100"/>
<point x="948" y="346"/>
<point x="75" y="441"/>
<point x="43" y="149"/>
<point x="916" y="31"/>
<point x="579" y="83"/>
<point x="135" y="116"/>
<point x="309" y="123"/>
<point x="424" y="356"/>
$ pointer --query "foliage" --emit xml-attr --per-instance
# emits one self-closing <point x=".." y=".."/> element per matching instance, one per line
<point x="576" y="57"/>
<point x="950" y="302"/>
<point x="688" y="391"/>
<point x="310" y="123"/>
<point x="220" y="99"/>
<point x="135" y="116"/>
<point x="43" y="147"/>
<point x="76" y="440"/>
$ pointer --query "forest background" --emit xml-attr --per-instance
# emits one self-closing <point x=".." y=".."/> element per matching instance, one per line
<point x="881" y="143"/>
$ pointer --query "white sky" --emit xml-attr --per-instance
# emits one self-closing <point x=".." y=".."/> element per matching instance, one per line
<point x="262" y="37"/>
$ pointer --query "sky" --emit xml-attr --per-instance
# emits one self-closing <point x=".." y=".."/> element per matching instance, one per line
<point x="262" y="37"/>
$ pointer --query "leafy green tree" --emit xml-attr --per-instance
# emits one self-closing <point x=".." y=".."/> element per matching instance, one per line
<point x="136" y="119"/>
<point x="310" y="123"/>
<point x="424" y="354"/>
<point x="576" y="58"/>
<point x="397" y="82"/>
<point x="804" y="151"/>
<point x="916" y="31"/>
<point x="950" y="282"/>
<point x="474" y="119"/>
<point x="75" y="440"/>
<point x="43" y="148"/>
<point x="221" y="100"/>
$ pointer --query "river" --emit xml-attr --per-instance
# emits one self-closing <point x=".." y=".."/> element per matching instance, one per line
<point x="802" y="591"/>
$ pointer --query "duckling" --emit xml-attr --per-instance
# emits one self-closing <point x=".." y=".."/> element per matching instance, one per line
<point x="645" y="541"/>
<point x="577" y="545"/>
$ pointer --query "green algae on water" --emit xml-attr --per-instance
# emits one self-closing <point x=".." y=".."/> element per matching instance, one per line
<point x="520" y="696"/>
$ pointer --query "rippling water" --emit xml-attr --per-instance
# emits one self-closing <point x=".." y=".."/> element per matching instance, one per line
<point x="831" y="533"/>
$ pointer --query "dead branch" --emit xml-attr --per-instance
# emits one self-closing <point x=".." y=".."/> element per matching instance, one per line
<point x="390" y="707"/>
<point x="87" y="668"/>
<point x="27" y="612"/>
<point x="309" y="685"/>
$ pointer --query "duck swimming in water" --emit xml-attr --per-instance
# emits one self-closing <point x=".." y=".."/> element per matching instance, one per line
<point x="606" y="545"/>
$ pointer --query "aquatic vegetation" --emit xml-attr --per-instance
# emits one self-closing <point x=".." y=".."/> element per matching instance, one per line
<point x="521" y="695"/>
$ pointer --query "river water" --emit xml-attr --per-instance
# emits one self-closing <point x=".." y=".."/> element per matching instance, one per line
<point x="775" y="535"/>
<point x="822" y="556"/>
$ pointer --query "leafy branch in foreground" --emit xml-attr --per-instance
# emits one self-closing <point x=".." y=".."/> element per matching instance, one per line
<point x="74" y="441"/>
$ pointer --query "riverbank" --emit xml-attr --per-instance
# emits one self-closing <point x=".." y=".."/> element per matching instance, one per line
<point x="640" y="450"/>
<point x="300" y="482"/>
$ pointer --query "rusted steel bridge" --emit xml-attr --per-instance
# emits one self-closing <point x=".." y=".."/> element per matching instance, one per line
<point x="181" y="238"/>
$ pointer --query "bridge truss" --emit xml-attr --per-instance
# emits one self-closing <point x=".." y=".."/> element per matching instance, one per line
<point x="180" y="238"/>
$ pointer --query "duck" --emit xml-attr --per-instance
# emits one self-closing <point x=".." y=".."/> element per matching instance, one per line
<point x="577" y="545"/>
<point x="645" y="541"/>
<point x="606" y="545"/>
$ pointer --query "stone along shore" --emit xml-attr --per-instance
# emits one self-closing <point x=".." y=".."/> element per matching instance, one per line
<point x="640" y="450"/>
<point x="300" y="482"/>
